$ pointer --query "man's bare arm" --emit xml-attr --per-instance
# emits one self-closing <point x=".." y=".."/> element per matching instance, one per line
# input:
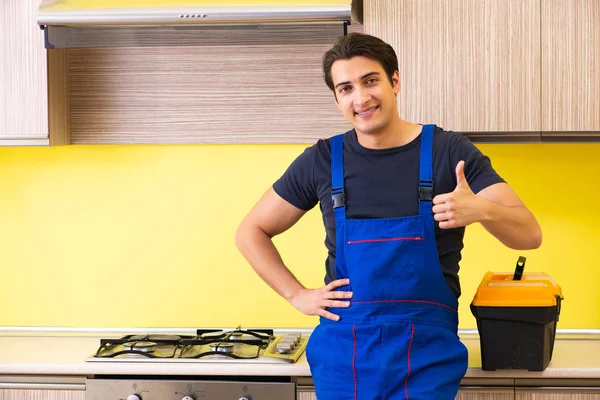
<point x="497" y="208"/>
<point x="271" y="216"/>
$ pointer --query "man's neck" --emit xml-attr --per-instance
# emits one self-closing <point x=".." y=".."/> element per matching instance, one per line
<point x="396" y="134"/>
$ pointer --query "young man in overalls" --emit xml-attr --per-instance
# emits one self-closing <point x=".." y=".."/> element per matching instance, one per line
<point x="395" y="198"/>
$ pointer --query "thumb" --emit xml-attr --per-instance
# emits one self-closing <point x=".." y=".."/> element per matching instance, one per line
<point x="461" y="180"/>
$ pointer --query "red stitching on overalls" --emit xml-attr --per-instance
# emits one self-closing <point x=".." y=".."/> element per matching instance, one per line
<point x="384" y="240"/>
<point x="406" y="301"/>
<point x="412" y="334"/>
<point x="354" y="362"/>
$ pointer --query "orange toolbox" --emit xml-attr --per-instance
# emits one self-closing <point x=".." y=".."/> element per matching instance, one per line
<point x="517" y="314"/>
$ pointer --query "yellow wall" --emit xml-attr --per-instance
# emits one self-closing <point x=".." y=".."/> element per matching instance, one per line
<point x="143" y="236"/>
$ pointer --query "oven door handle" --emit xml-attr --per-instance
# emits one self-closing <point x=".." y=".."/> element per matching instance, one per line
<point x="42" y="386"/>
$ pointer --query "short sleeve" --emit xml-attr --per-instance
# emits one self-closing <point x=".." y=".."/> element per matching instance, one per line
<point x="478" y="167"/>
<point x="296" y="185"/>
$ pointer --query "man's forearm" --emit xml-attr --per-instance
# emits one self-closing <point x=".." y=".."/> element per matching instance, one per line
<point x="514" y="226"/>
<point x="258" y="248"/>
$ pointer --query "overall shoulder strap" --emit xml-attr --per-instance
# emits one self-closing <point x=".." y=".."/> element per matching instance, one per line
<point x="337" y="177"/>
<point x="426" y="171"/>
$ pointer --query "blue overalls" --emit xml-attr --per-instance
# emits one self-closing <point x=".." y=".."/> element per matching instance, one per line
<point x="398" y="339"/>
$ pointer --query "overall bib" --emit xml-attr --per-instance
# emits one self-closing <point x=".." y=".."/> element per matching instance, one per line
<point x="398" y="339"/>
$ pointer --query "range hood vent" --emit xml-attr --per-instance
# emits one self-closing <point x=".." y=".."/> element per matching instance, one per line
<point x="67" y="22"/>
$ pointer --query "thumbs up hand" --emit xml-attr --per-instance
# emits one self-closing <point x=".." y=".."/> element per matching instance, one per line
<point x="460" y="207"/>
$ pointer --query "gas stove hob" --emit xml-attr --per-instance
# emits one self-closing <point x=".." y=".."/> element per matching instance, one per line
<point x="208" y="345"/>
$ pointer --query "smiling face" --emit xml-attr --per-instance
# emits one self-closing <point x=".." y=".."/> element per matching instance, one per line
<point x="365" y="95"/>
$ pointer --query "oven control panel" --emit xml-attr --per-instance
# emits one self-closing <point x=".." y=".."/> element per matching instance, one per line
<point x="288" y="348"/>
<point x="161" y="389"/>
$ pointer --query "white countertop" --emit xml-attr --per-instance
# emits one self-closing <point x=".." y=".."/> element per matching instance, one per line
<point x="66" y="354"/>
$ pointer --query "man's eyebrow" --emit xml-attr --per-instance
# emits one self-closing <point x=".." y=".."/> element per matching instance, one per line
<point x="361" y="78"/>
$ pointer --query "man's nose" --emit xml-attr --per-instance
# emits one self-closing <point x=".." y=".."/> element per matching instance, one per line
<point x="362" y="96"/>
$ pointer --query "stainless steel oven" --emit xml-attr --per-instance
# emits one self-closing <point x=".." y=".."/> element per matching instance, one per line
<point x="167" y="389"/>
<point x="204" y="346"/>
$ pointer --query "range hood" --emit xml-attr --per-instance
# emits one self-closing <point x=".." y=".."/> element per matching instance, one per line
<point x="194" y="12"/>
<point x="190" y="14"/>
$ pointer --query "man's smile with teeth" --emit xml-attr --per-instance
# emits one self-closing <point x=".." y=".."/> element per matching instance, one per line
<point x="367" y="111"/>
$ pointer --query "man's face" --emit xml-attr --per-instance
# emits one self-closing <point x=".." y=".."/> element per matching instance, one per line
<point x="364" y="93"/>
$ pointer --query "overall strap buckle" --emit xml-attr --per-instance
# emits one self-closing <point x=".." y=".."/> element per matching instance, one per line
<point x="339" y="197"/>
<point x="425" y="190"/>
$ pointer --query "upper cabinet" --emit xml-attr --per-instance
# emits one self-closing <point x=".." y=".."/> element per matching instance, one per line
<point x="242" y="85"/>
<point x="571" y="69"/>
<point x="510" y="70"/>
<point x="26" y="115"/>
<point x="23" y="75"/>
<point x="471" y="66"/>
<point x="236" y="91"/>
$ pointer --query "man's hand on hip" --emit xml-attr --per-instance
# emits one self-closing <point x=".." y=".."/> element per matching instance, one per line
<point x="316" y="301"/>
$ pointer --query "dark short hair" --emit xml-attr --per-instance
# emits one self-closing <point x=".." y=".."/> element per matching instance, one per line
<point x="359" y="44"/>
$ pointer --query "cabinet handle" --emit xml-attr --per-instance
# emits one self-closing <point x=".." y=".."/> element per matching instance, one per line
<point x="486" y="389"/>
<point x="42" y="386"/>
<point x="305" y="388"/>
<point x="559" y="389"/>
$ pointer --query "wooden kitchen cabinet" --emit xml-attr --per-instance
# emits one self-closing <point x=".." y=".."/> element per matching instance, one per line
<point x="486" y="393"/>
<point x="26" y="114"/>
<point x="23" y="75"/>
<point x="574" y="393"/>
<point x="471" y="66"/>
<point x="570" y="69"/>
<point x="463" y="394"/>
<point x="307" y="395"/>
<point x="27" y="394"/>
<point x="42" y="387"/>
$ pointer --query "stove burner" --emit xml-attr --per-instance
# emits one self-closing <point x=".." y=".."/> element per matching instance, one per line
<point x="255" y="337"/>
<point x="210" y="343"/>
<point x="222" y="347"/>
<point x="145" y="347"/>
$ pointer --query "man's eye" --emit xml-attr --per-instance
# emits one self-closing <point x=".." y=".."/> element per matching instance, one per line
<point x="371" y="80"/>
<point x="344" y="89"/>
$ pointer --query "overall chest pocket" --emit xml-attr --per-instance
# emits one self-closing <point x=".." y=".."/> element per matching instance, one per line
<point x="382" y="267"/>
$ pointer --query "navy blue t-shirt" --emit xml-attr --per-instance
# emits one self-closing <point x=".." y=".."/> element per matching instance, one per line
<point x="383" y="183"/>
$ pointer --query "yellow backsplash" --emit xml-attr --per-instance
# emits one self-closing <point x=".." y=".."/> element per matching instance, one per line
<point x="143" y="236"/>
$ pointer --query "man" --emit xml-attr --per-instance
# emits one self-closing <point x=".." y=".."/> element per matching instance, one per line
<point x="395" y="198"/>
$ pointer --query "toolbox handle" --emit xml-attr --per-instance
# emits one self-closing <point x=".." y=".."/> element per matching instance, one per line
<point x="519" y="268"/>
<point x="558" y="305"/>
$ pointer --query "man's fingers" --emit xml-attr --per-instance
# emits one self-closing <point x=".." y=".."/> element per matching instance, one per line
<point x="338" y="295"/>
<point x="440" y="217"/>
<point x="337" y="304"/>
<point x="440" y="208"/>
<point x="447" y="225"/>
<point x="441" y="198"/>
<point x="336" y="284"/>
<point x="328" y="315"/>
<point x="461" y="180"/>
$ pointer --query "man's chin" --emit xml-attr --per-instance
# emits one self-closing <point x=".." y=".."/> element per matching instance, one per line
<point x="367" y="130"/>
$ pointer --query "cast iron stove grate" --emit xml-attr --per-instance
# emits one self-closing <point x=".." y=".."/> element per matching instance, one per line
<point x="150" y="346"/>
<point x="236" y="344"/>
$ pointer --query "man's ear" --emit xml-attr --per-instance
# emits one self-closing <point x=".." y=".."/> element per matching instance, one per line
<point x="396" y="82"/>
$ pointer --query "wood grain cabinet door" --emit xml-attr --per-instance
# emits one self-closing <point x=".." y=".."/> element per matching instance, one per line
<point x="463" y="394"/>
<point x="470" y="65"/>
<point x="23" y="75"/>
<point x="27" y="394"/>
<point x="548" y="393"/>
<point x="486" y="393"/>
<point x="570" y="69"/>
<point x="306" y="395"/>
